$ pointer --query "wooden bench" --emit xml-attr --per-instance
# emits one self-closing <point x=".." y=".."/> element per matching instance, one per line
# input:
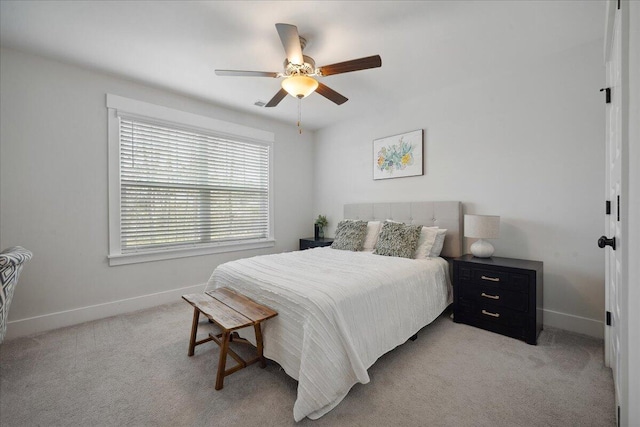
<point x="230" y="311"/>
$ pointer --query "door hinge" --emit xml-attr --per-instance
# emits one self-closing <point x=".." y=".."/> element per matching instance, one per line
<point x="618" y="406"/>
<point x="607" y="92"/>
<point x="607" y="209"/>
<point x="618" y="207"/>
<point x="608" y="318"/>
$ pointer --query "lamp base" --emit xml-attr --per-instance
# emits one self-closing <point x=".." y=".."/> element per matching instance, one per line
<point x="482" y="249"/>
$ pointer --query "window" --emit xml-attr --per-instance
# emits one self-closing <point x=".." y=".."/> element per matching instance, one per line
<point x="185" y="186"/>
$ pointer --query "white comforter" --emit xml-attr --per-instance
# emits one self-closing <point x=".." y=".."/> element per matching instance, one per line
<point x="338" y="312"/>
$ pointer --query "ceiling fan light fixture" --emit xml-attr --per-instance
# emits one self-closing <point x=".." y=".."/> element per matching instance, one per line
<point x="299" y="86"/>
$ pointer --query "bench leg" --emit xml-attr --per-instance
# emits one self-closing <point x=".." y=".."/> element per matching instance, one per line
<point x="224" y="346"/>
<point x="194" y="330"/>
<point x="259" y="345"/>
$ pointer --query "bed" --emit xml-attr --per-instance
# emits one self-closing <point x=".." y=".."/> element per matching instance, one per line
<point x="340" y="310"/>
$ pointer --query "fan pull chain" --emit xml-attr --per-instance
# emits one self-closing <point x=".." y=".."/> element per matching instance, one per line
<point x="299" y="115"/>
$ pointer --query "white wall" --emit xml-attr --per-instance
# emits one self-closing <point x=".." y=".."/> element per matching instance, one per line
<point x="525" y="144"/>
<point x="53" y="194"/>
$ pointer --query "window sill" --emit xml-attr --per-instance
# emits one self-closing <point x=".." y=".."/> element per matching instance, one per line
<point x="134" y="258"/>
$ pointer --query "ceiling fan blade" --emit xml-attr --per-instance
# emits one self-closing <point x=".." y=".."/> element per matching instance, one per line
<point x="240" y="73"/>
<point x="354" y="65"/>
<point x="277" y="98"/>
<point x="331" y="94"/>
<point x="291" y="41"/>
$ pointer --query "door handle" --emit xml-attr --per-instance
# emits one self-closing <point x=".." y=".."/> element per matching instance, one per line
<point x="603" y="241"/>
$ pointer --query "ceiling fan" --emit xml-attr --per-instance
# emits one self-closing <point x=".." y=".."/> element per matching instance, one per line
<point x="299" y="70"/>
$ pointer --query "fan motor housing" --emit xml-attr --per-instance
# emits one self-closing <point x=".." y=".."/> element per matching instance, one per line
<point x="308" y="68"/>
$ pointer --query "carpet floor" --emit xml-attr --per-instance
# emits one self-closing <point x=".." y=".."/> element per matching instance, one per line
<point x="133" y="370"/>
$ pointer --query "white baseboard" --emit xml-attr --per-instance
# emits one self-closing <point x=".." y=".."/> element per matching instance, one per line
<point x="569" y="322"/>
<point x="47" y="322"/>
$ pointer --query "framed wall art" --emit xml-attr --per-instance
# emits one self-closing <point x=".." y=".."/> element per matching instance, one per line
<point x="398" y="155"/>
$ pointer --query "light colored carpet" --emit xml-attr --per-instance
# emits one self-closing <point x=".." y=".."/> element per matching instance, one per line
<point x="133" y="370"/>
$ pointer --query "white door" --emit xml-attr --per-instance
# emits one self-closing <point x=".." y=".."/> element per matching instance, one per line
<point x="613" y="249"/>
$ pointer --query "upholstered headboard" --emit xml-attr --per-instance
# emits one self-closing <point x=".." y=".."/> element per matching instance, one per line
<point x="443" y="214"/>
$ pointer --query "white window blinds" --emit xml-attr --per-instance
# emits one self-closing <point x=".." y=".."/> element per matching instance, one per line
<point x="182" y="187"/>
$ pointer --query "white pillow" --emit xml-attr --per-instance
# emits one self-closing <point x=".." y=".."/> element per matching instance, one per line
<point x="438" y="243"/>
<point x="371" y="238"/>
<point x="425" y="243"/>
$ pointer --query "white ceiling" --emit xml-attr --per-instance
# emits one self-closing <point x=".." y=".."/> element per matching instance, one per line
<point x="176" y="45"/>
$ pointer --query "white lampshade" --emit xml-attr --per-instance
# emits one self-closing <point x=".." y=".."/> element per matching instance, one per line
<point x="299" y="86"/>
<point x="482" y="227"/>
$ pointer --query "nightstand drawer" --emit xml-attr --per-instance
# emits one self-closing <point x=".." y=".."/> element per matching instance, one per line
<point x="496" y="278"/>
<point x="515" y="330"/>
<point x="502" y="298"/>
<point x="493" y="314"/>
<point x="490" y="277"/>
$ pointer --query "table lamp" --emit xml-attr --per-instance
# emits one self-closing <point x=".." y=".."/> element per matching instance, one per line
<point x="482" y="227"/>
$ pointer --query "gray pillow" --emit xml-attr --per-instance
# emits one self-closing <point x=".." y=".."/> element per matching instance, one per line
<point x="398" y="239"/>
<point x="350" y="235"/>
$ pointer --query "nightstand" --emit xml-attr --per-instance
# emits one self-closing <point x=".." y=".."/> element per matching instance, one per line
<point x="502" y="295"/>
<point x="310" y="242"/>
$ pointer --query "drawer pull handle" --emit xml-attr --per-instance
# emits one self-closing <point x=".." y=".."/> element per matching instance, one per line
<point x="493" y="279"/>
<point x="490" y="296"/>
<point x="488" y="313"/>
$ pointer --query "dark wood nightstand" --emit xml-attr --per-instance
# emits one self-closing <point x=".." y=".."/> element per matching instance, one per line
<point x="310" y="242"/>
<point x="502" y="295"/>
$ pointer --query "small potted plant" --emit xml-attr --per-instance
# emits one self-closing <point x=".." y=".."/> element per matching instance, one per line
<point x="320" y="224"/>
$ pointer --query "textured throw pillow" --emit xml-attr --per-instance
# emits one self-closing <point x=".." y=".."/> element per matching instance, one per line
<point x="397" y="239"/>
<point x="350" y="235"/>
<point x="438" y="244"/>
<point x="371" y="238"/>
<point x="425" y="242"/>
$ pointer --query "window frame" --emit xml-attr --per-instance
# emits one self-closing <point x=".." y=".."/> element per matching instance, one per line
<point x="117" y="106"/>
